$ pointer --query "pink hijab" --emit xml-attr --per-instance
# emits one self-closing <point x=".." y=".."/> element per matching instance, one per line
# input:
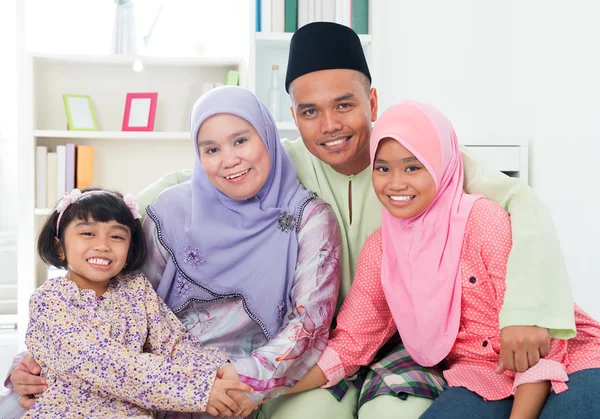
<point x="420" y="270"/>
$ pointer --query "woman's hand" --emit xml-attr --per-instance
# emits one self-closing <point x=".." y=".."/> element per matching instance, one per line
<point x="246" y="405"/>
<point x="26" y="381"/>
<point x="220" y="405"/>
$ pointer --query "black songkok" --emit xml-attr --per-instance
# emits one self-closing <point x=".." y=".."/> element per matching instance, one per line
<point x="324" y="46"/>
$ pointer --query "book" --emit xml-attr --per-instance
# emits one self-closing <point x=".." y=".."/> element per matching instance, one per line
<point x="318" y="8"/>
<point x="71" y="164"/>
<point x="85" y="166"/>
<point x="346" y="12"/>
<point x="41" y="160"/>
<point x="258" y="17"/>
<point x="312" y="15"/>
<point x="303" y="12"/>
<point x="61" y="171"/>
<point x="50" y="179"/>
<point x="265" y="16"/>
<point x="328" y="10"/>
<point x="360" y="16"/>
<point x="232" y="78"/>
<point x="277" y="15"/>
<point x="291" y="15"/>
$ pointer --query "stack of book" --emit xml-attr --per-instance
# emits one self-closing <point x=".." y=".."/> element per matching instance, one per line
<point x="69" y="167"/>
<point x="289" y="15"/>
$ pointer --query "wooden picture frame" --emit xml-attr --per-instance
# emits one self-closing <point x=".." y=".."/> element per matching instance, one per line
<point x="80" y="113"/>
<point x="140" y="110"/>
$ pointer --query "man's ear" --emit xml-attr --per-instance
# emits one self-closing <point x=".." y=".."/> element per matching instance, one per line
<point x="293" y="112"/>
<point x="374" y="104"/>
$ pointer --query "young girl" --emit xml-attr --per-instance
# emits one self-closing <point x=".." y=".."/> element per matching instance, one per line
<point x="436" y="272"/>
<point x="107" y="345"/>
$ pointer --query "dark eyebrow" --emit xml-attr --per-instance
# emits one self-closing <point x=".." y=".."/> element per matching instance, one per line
<point x="406" y="160"/>
<point x="238" y="133"/>
<point x="86" y="224"/>
<point x="120" y="227"/>
<point x="302" y="106"/>
<point x="231" y="137"/>
<point x="346" y="96"/>
<point x="205" y="143"/>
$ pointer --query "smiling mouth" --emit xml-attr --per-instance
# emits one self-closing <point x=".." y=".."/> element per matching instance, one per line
<point x="337" y="142"/>
<point x="236" y="175"/>
<point x="402" y="198"/>
<point x="99" y="261"/>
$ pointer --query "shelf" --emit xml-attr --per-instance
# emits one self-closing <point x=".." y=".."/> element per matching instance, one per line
<point x="146" y="60"/>
<point x="286" y="126"/>
<point x="42" y="211"/>
<point x="8" y="321"/>
<point x="287" y="36"/>
<point x="114" y="135"/>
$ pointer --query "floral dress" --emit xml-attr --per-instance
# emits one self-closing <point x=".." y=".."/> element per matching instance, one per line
<point x="120" y="355"/>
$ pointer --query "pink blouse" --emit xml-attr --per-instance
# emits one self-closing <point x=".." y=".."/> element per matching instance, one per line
<point x="365" y="323"/>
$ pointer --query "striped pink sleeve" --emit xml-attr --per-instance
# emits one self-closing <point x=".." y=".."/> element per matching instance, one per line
<point x="364" y="322"/>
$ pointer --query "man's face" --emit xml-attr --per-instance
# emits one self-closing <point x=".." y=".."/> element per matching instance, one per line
<point x="333" y="110"/>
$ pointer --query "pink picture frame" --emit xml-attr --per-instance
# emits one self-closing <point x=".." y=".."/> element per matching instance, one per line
<point x="140" y="110"/>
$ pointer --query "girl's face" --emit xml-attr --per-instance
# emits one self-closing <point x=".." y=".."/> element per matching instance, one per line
<point x="233" y="156"/>
<point x="401" y="182"/>
<point x="95" y="252"/>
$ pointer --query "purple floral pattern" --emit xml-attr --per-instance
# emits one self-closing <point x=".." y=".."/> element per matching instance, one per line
<point x="182" y="286"/>
<point x="92" y="353"/>
<point x="192" y="256"/>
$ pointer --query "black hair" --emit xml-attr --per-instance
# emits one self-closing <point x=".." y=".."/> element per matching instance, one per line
<point x="100" y="207"/>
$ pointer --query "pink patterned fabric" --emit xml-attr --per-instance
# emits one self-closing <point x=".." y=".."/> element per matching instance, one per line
<point x="365" y="322"/>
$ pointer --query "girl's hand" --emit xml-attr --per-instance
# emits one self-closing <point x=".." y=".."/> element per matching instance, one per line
<point x="27" y="382"/>
<point x="219" y="403"/>
<point x="246" y="405"/>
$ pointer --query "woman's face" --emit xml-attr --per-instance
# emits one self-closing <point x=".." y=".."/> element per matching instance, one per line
<point x="233" y="156"/>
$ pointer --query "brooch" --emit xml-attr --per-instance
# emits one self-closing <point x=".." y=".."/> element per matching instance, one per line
<point x="286" y="222"/>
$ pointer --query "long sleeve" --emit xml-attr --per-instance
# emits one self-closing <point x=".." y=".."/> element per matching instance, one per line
<point x="537" y="285"/>
<point x="364" y="322"/>
<point x="275" y="367"/>
<point x="168" y="338"/>
<point x="148" y="195"/>
<point x="496" y="239"/>
<point x="69" y="345"/>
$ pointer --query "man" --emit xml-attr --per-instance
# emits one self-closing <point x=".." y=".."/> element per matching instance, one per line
<point x="333" y="106"/>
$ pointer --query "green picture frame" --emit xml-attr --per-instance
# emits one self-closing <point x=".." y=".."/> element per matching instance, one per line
<point x="80" y="112"/>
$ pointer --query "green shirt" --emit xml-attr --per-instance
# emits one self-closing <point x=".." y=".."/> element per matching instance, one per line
<point x="538" y="292"/>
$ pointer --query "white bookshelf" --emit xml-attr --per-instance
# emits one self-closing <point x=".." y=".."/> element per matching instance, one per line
<point x="113" y="135"/>
<point x="125" y="161"/>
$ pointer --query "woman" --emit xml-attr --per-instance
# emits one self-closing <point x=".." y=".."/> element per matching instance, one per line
<point x="241" y="252"/>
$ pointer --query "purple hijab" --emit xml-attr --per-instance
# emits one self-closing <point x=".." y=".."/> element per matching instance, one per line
<point x="221" y="247"/>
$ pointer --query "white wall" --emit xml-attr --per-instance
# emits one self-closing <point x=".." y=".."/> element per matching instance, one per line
<point x="511" y="69"/>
